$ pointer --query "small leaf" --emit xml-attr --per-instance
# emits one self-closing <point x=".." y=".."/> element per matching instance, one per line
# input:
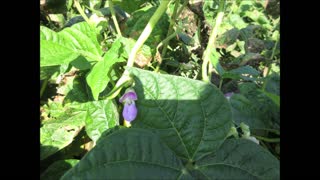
<point x="186" y="39"/>
<point x="98" y="78"/>
<point x="102" y="115"/>
<point x="241" y="73"/>
<point x="228" y="38"/>
<point x="275" y="98"/>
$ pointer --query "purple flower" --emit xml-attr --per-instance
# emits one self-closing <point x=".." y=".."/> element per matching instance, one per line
<point x="130" y="110"/>
<point x="228" y="95"/>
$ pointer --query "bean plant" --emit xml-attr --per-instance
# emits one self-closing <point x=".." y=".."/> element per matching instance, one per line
<point x="159" y="89"/>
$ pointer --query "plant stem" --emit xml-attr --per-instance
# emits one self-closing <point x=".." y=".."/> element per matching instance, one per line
<point x="147" y="31"/>
<point x="269" y="66"/>
<point x="271" y="130"/>
<point x="114" y="18"/>
<point x="81" y="11"/>
<point x="182" y="7"/>
<point x="220" y="83"/>
<point x="143" y="37"/>
<point x="273" y="140"/>
<point x="160" y="44"/>
<point x="212" y="39"/>
<point x="172" y="22"/>
<point x="43" y="87"/>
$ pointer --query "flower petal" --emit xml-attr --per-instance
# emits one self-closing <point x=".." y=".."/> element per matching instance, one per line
<point x="130" y="111"/>
<point x="131" y="95"/>
<point x="228" y="95"/>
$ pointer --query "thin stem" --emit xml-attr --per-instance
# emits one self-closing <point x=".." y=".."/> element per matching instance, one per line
<point x="81" y="11"/>
<point x="272" y="140"/>
<point x="271" y="130"/>
<point x="269" y="66"/>
<point x="182" y="7"/>
<point x="172" y="22"/>
<point x="147" y="31"/>
<point x="143" y="37"/>
<point x="220" y="83"/>
<point x="210" y="70"/>
<point x="43" y="87"/>
<point x="210" y="47"/>
<point x="114" y="18"/>
<point x="161" y="44"/>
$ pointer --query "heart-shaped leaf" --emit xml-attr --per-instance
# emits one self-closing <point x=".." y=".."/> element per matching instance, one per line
<point x="192" y="117"/>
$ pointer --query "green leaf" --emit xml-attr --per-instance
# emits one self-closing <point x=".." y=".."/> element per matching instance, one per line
<point x="47" y="72"/>
<point x="210" y="11"/>
<point x="59" y="131"/>
<point x="98" y="77"/>
<point x="254" y="45"/>
<point x="186" y="39"/>
<point x="250" y="31"/>
<point x="102" y="115"/>
<point x="139" y="20"/>
<point x="81" y="63"/>
<point x="52" y="54"/>
<point x="214" y="59"/>
<point x="254" y="108"/>
<point x="128" y="154"/>
<point x="236" y="21"/>
<point x="239" y="159"/>
<point x="228" y="38"/>
<point x="75" y="90"/>
<point x="58" y="168"/>
<point x="275" y="98"/>
<point x="192" y="117"/>
<point x="66" y="45"/>
<point x="243" y="72"/>
<point x="273" y="84"/>
<point x="130" y="6"/>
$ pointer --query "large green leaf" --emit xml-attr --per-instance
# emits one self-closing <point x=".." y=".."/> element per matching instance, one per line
<point x="192" y="117"/>
<point x="133" y="153"/>
<point x="98" y="77"/>
<point x="239" y="159"/>
<point x="101" y="116"/>
<point x="58" y="168"/>
<point x="66" y="45"/>
<point x="128" y="154"/>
